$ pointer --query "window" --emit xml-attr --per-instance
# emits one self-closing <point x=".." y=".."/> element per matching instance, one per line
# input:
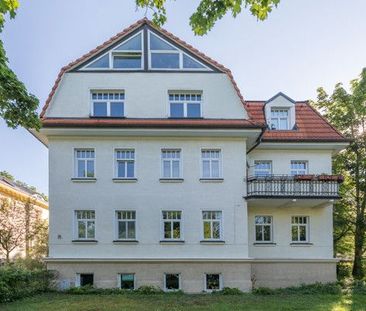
<point x="262" y="168"/>
<point x="171" y="163"/>
<point x="299" y="168"/>
<point x="84" y="163"/>
<point x="185" y="105"/>
<point x="108" y="104"/>
<point x="127" y="281"/>
<point x="279" y="119"/>
<point x="213" y="282"/>
<point x="212" y="225"/>
<point x="172" y="225"/>
<point x="211" y="163"/>
<point x="85" y="225"/>
<point x="299" y="228"/>
<point x="172" y="282"/>
<point x="126" y="225"/>
<point x="263" y="228"/>
<point x="125" y="163"/>
<point x="86" y="279"/>
<point x="163" y="55"/>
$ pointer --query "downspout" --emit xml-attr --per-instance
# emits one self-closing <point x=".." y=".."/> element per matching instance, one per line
<point x="259" y="140"/>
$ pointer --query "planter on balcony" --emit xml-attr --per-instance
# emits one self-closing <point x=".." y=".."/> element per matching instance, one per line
<point x="304" y="177"/>
<point x="337" y="178"/>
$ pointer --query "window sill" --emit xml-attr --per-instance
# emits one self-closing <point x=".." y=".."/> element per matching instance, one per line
<point x="212" y="180"/>
<point x="106" y="117"/>
<point x="171" y="180"/>
<point x="220" y="242"/>
<point x="301" y="244"/>
<point x="85" y="241"/>
<point x="124" y="180"/>
<point x="125" y="242"/>
<point x="172" y="242"/>
<point x="83" y="179"/>
<point x="264" y="244"/>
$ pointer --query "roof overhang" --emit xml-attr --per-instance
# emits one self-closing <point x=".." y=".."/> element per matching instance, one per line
<point x="335" y="146"/>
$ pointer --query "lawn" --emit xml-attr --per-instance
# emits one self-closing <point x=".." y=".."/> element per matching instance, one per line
<point x="173" y="302"/>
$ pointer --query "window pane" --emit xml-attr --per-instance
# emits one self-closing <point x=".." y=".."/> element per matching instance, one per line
<point x="166" y="169"/>
<point x="130" y="169"/>
<point x="164" y="60"/>
<point x="206" y="230"/>
<point x="193" y="110"/>
<point x="189" y="62"/>
<point x="91" y="229"/>
<point x="127" y="281"/>
<point x="90" y="168"/>
<point x="274" y="124"/>
<point x="172" y="281"/>
<point x="206" y="168"/>
<point x="117" y="109"/>
<point x="122" y="234"/>
<point x="158" y="44"/>
<point x="100" y="109"/>
<point x="175" y="169"/>
<point x="283" y="124"/>
<point x="131" y="230"/>
<point x="176" y="110"/>
<point x="294" y="231"/>
<point x="102" y="62"/>
<point x="302" y="233"/>
<point x="81" y="230"/>
<point x="258" y="233"/>
<point x="81" y="168"/>
<point x="215" y="169"/>
<point x="213" y="281"/>
<point x="267" y="233"/>
<point x="176" y="230"/>
<point x="127" y="61"/>
<point x="121" y="171"/>
<point x="216" y="229"/>
<point x="133" y="44"/>
<point x="86" y="279"/>
<point x="167" y="230"/>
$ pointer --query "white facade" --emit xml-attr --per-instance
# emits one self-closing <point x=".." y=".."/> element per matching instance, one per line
<point x="227" y="249"/>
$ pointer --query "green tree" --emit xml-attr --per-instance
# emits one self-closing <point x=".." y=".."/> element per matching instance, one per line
<point x="347" y="111"/>
<point x="210" y="11"/>
<point x="17" y="106"/>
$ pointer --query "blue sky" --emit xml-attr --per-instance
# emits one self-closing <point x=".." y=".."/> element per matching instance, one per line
<point x="303" y="45"/>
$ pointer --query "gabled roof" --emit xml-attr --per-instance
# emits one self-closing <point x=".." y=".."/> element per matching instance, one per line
<point x="280" y="94"/>
<point x="118" y="37"/>
<point x="310" y="125"/>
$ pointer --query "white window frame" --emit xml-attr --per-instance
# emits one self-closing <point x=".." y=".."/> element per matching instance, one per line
<point x="256" y="162"/>
<point x="212" y="159"/>
<point x="299" y="171"/>
<point x="263" y="225"/>
<point x="221" y="281"/>
<point x="171" y="160"/>
<point x="85" y="220"/>
<point x="185" y="103"/>
<point x="211" y="220"/>
<point x="125" y="160"/>
<point x="171" y="220"/>
<point x="113" y="52"/>
<point x="108" y="101"/>
<point x="75" y="150"/>
<point x="179" y="281"/>
<point x="119" y="281"/>
<point x="176" y="51"/>
<point x="125" y="220"/>
<point x="279" y="109"/>
<point x="298" y="225"/>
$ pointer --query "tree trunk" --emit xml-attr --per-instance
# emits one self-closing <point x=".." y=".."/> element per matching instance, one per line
<point x="357" y="270"/>
<point x="7" y="257"/>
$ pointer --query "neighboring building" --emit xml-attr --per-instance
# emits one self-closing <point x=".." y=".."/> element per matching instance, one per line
<point x="24" y="198"/>
<point x="162" y="174"/>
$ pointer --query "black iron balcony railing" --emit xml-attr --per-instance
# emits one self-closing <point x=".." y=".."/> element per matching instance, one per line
<point x="299" y="186"/>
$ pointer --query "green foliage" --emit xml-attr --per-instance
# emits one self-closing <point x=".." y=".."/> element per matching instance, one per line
<point x="7" y="175"/>
<point x="304" y="289"/>
<point x="16" y="282"/>
<point x="7" y="6"/>
<point x="209" y="12"/>
<point x="344" y="270"/>
<point x="149" y="290"/>
<point x="230" y="291"/>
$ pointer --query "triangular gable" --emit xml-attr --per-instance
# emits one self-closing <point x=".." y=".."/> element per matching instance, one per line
<point x="113" y="42"/>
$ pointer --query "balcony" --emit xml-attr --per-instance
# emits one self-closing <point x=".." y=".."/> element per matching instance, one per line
<point x="294" y="187"/>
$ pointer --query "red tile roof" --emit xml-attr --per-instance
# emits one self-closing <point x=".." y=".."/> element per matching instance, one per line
<point x="310" y="125"/>
<point x="124" y="33"/>
<point x="150" y="123"/>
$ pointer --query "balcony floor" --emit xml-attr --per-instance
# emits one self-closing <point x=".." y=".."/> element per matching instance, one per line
<point x="289" y="202"/>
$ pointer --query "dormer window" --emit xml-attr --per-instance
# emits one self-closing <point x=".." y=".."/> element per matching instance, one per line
<point x="185" y="105"/>
<point x="107" y="104"/>
<point x="279" y="119"/>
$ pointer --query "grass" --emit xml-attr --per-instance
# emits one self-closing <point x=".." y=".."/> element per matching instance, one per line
<point x="175" y="302"/>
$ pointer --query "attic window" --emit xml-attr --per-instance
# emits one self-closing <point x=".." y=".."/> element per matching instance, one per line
<point x="163" y="55"/>
<point x="279" y="119"/>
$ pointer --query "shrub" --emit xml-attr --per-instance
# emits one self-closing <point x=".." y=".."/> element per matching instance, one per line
<point x="90" y="290"/>
<point x="16" y="282"/>
<point x="344" y="270"/>
<point x="359" y="287"/>
<point x="149" y="290"/>
<point x="304" y="289"/>
<point x="229" y="291"/>
<point x="264" y="291"/>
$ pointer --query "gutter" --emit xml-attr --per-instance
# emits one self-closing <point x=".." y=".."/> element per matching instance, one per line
<point x="259" y="140"/>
